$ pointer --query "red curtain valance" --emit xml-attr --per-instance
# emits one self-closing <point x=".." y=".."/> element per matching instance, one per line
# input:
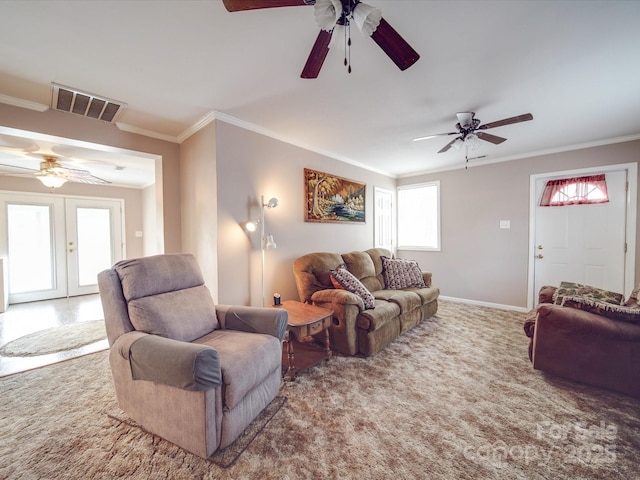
<point x="575" y="191"/>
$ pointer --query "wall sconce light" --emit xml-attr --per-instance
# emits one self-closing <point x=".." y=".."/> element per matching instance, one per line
<point x="267" y="242"/>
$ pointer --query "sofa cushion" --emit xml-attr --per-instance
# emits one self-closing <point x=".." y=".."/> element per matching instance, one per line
<point x="617" y="312"/>
<point x="374" y="319"/>
<point x="246" y="359"/>
<point x="405" y="299"/>
<point x="182" y="315"/>
<point x="427" y="295"/>
<point x="578" y="289"/>
<point x="400" y="273"/>
<point x="343" y="279"/>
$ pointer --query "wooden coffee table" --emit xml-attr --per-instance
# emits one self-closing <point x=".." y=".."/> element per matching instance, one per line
<point x="300" y="349"/>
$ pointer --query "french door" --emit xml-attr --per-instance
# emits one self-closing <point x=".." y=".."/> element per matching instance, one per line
<point x="56" y="246"/>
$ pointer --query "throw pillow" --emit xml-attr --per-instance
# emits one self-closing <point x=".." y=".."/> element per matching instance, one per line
<point x="399" y="273"/>
<point x="617" y="312"/>
<point x="567" y="289"/>
<point x="343" y="279"/>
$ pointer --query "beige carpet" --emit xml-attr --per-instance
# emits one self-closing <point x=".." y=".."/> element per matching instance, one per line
<point x="455" y="398"/>
<point x="57" y="339"/>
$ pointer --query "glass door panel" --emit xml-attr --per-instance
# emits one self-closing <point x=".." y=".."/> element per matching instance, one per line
<point x="33" y="242"/>
<point x="30" y="248"/>
<point x="94" y="241"/>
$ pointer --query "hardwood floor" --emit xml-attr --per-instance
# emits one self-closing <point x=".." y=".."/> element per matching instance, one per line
<point x="25" y="318"/>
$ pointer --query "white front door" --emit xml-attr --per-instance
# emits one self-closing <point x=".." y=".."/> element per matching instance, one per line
<point x="582" y="243"/>
<point x="56" y="246"/>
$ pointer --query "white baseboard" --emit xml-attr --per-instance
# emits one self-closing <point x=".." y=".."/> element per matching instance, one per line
<point x="485" y="304"/>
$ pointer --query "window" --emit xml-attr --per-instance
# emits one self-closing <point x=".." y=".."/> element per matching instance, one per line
<point x="575" y="191"/>
<point x="419" y="217"/>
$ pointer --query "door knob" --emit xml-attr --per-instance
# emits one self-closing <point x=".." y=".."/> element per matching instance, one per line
<point x="539" y="256"/>
<point x="540" y="247"/>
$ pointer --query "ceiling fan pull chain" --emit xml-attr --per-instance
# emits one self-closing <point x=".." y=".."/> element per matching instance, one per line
<point x="349" y="46"/>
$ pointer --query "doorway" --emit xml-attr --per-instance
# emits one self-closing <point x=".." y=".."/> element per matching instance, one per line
<point x="56" y="246"/>
<point x="383" y="219"/>
<point x="591" y="244"/>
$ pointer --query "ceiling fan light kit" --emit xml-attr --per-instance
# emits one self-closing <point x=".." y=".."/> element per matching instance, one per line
<point x="51" y="180"/>
<point x="331" y="14"/>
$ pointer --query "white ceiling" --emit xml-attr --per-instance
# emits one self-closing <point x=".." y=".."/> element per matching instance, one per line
<point x="572" y="64"/>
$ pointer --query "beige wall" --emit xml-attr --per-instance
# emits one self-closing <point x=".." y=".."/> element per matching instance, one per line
<point x="65" y="125"/>
<point x="250" y="165"/>
<point x="478" y="261"/>
<point x="199" y="203"/>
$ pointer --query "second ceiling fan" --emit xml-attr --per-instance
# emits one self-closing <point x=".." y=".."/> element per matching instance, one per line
<point x="331" y="14"/>
<point x="469" y="127"/>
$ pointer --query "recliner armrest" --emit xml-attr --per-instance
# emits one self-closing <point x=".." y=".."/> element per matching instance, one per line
<point x="270" y="321"/>
<point x="337" y="297"/>
<point x="189" y="366"/>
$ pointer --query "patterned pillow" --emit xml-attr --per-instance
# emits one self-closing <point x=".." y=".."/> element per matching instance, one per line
<point x="343" y="279"/>
<point x="399" y="273"/>
<point x="617" y="312"/>
<point x="579" y="290"/>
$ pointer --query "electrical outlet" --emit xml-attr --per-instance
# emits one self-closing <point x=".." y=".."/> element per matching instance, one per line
<point x="505" y="224"/>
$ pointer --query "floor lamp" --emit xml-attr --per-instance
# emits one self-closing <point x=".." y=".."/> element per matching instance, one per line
<point x="266" y="241"/>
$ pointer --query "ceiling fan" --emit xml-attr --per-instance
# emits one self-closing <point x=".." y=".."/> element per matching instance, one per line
<point x="53" y="174"/>
<point x="470" y="129"/>
<point x="332" y="14"/>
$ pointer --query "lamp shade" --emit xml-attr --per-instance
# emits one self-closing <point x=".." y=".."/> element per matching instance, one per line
<point x="270" y="244"/>
<point x="272" y="203"/>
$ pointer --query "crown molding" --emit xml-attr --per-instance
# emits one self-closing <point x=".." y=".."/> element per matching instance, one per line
<point x="19" y="102"/>
<point x="125" y="127"/>
<point x="196" y="127"/>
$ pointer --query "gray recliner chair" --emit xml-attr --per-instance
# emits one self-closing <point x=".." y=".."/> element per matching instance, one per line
<point x="191" y="372"/>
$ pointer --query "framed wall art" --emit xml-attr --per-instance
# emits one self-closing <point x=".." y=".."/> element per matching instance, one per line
<point x="333" y="199"/>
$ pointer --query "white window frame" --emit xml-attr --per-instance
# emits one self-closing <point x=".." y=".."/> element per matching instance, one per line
<point x="400" y="217"/>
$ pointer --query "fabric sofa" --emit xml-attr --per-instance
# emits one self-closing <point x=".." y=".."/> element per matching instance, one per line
<point x="586" y="340"/>
<point x="357" y="328"/>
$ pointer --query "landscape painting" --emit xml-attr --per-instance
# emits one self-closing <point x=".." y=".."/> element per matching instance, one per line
<point x="332" y="199"/>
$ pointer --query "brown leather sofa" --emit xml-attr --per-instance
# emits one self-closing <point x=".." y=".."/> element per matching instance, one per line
<point x="585" y="346"/>
<point x="357" y="329"/>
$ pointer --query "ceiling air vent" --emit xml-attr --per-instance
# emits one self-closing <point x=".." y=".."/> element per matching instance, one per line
<point x="86" y="104"/>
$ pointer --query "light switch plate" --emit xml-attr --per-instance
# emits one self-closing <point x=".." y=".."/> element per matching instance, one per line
<point x="505" y="224"/>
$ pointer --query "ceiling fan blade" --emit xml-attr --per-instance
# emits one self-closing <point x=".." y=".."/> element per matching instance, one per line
<point x="15" y="166"/>
<point x="396" y="48"/>
<point x="240" y="5"/>
<point x="87" y="179"/>
<point x="490" y="138"/>
<point x="434" y="136"/>
<point x="447" y="146"/>
<point x="318" y="54"/>
<point x="507" y="121"/>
